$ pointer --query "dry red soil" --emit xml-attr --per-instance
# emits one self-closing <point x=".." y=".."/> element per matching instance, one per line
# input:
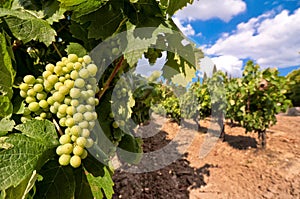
<point x="235" y="168"/>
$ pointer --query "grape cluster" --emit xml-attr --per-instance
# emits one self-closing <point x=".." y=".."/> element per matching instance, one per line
<point x="68" y="90"/>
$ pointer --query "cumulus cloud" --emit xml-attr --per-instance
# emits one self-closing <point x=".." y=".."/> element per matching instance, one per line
<point x="208" y="9"/>
<point x="187" y="30"/>
<point x="271" y="39"/>
<point x="229" y="64"/>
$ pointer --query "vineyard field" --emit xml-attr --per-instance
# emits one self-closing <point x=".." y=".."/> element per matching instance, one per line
<point x="235" y="168"/>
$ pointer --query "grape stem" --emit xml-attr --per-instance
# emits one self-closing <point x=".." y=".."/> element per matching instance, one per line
<point x="111" y="77"/>
<point x="58" y="127"/>
<point x="56" y="49"/>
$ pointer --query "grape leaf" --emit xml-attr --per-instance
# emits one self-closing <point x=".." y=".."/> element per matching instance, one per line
<point x="130" y="149"/>
<point x="75" y="48"/>
<point x="26" y="27"/>
<point x="6" y="125"/>
<point x="137" y="46"/>
<point x="101" y="185"/>
<point x="30" y="151"/>
<point x="6" y="107"/>
<point x="5" y="3"/>
<point x="58" y="181"/>
<point x="22" y="189"/>
<point x="54" y="11"/>
<point x="171" y="6"/>
<point x="7" y="73"/>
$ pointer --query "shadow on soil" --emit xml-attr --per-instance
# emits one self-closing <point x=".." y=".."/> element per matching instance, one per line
<point x="172" y="181"/>
<point x="241" y="142"/>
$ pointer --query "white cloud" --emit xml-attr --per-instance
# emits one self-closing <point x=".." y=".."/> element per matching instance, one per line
<point x="208" y="9"/>
<point x="187" y="30"/>
<point x="230" y="64"/>
<point x="270" y="39"/>
<point x="145" y="69"/>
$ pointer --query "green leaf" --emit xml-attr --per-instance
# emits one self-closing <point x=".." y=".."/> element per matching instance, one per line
<point x="75" y="48"/>
<point x="101" y="185"/>
<point x="171" y="6"/>
<point x="26" y="26"/>
<point x="22" y="189"/>
<point x="7" y="73"/>
<point x="5" y="3"/>
<point x="6" y="125"/>
<point x="30" y="151"/>
<point x="58" y="181"/>
<point x="42" y="130"/>
<point x="130" y="149"/>
<point x="83" y="188"/>
<point x="54" y="11"/>
<point x="6" y="107"/>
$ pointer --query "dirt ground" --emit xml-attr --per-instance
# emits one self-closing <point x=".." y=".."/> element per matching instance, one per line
<point x="235" y="168"/>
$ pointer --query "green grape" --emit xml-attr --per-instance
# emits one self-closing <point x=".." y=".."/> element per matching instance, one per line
<point x="84" y="73"/>
<point x="74" y="138"/>
<point x="70" y="110"/>
<point x="62" y="109"/>
<point x="39" y="80"/>
<point x="67" y="76"/>
<point x="58" y="69"/>
<point x="59" y="150"/>
<point x="31" y="92"/>
<point x="23" y="93"/>
<point x="62" y="79"/>
<point x="63" y="90"/>
<point x="47" y="86"/>
<point x="89" y="143"/>
<point x="81" y="141"/>
<point x="81" y="109"/>
<point x="76" y="130"/>
<point x="41" y="96"/>
<point x="84" y="124"/>
<point x="84" y="154"/>
<point x="91" y="101"/>
<point x="53" y="109"/>
<point x="58" y="97"/>
<point x="89" y="107"/>
<point x="52" y="79"/>
<point x="75" y="102"/>
<point x="60" y="115"/>
<point x="78" y="150"/>
<point x="96" y="102"/>
<point x="64" y="159"/>
<point x="33" y="106"/>
<point x="87" y="59"/>
<point x="68" y="100"/>
<point x="77" y="66"/>
<point x="30" y="99"/>
<point x="50" y="100"/>
<point x="78" y="117"/>
<point x="62" y="121"/>
<point x="72" y="58"/>
<point x="50" y="67"/>
<point x="91" y="93"/>
<point x="84" y="95"/>
<point x="70" y="122"/>
<point x="24" y="86"/>
<point x="80" y="83"/>
<point x="64" y="139"/>
<point x="85" y="133"/>
<point x="115" y="51"/>
<point x="74" y="75"/>
<point x="92" y="124"/>
<point x="64" y="60"/>
<point x="75" y="161"/>
<point x="43" y="115"/>
<point x="29" y="79"/>
<point x="92" y="68"/>
<point x="115" y="124"/>
<point x="43" y="104"/>
<point x="70" y="66"/>
<point x="46" y="74"/>
<point x="67" y="148"/>
<point x="57" y="85"/>
<point x="88" y="116"/>
<point x="75" y="93"/>
<point x="111" y="115"/>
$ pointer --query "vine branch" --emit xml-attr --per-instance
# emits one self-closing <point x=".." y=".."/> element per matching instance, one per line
<point x="111" y="77"/>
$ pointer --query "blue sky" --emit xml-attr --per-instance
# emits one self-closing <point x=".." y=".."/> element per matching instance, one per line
<point x="230" y="32"/>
